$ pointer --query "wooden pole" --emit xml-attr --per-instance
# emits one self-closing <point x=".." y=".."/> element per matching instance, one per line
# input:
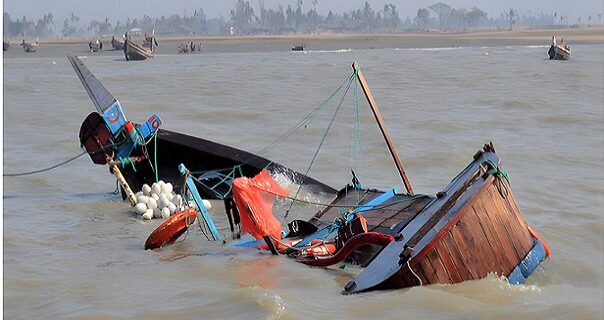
<point x="118" y="174"/>
<point x="382" y="126"/>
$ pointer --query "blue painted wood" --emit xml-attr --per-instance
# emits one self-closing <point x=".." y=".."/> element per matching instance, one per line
<point x="330" y="228"/>
<point x="530" y="262"/>
<point x="115" y="118"/>
<point x="150" y="126"/>
<point x="198" y="201"/>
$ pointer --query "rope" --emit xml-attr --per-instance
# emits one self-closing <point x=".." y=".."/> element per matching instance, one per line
<point x="155" y="157"/>
<point x="58" y="164"/>
<point x="499" y="174"/>
<point x="413" y="272"/>
<point x="333" y="117"/>
<point x="306" y="120"/>
<point x="45" y="169"/>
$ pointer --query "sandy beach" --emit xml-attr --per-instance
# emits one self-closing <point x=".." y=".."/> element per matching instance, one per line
<point x="594" y="35"/>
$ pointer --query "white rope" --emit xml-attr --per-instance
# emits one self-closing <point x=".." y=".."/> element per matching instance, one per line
<point x="418" y="278"/>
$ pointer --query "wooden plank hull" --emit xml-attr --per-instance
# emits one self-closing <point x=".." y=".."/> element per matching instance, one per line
<point x="559" y="52"/>
<point x="135" y="51"/>
<point x="472" y="228"/>
<point x="488" y="235"/>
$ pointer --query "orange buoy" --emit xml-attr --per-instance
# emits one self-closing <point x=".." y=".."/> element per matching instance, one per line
<point x="171" y="229"/>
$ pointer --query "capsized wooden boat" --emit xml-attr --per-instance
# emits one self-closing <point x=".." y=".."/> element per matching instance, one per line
<point x="29" y="47"/>
<point x="138" y="46"/>
<point x="117" y="45"/>
<point x="558" y="51"/>
<point x="471" y="228"/>
<point x="95" y="45"/>
<point x="189" y="47"/>
<point x="160" y="157"/>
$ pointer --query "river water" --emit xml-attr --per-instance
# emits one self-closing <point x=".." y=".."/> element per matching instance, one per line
<point x="72" y="250"/>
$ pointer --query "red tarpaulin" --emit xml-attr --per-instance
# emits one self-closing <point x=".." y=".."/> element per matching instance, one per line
<point x="254" y="199"/>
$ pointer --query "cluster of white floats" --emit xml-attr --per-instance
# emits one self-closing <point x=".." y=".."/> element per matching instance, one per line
<point x="159" y="201"/>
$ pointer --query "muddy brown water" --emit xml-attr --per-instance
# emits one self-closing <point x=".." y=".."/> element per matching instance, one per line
<point x="72" y="250"/>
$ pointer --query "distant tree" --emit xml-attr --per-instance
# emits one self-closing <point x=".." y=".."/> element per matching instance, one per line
<point x="44" y="26"/>
<point x="423" y="18"/>
<point x="243" y="16"/>
<point x="443" y="11"/>
<point x="512" y="16"/>
<point x="390" y="16"/>
<point x="70" y="25"/>
<point x="475" y="17"/>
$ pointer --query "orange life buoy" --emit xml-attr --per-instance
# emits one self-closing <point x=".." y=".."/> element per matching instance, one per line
<point x="171" y="229"/>
<point x="538" y="236"/>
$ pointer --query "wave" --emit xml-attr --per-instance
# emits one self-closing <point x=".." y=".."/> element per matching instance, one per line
<point x="429" y="49"/>
<point x="328" y="51"/>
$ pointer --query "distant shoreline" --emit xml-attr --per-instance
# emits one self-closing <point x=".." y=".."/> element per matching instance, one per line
<point x="578" y="36"/>
<point x="236" y="44"/>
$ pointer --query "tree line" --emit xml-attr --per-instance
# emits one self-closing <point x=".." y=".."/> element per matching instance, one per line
<point x="245" y="19"/>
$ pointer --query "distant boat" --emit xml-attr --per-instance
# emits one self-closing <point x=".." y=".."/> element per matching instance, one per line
<point x="117" y="45"/>
<point x="138" y="46"/>
<point x="559" y="51"/>
<point x="298" y="48"/>
<point x="5" y="45"/>
<point x="95" y="45"/>
<point x="189" y="47"/>
<point x="29" y="47"/>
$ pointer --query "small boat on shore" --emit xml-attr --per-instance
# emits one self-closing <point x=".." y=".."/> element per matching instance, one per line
<point x="189" y="47"/>
<point x="471" y="228"/>
<point x="29" y="47"/>
<point x="95" y="45"/>
<point x="117" y="45"/>
<point x="558" y="51"/>
<point x="138" y="46"/>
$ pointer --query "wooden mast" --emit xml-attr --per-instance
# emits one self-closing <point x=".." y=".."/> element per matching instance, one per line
<point x="382" y="126"/>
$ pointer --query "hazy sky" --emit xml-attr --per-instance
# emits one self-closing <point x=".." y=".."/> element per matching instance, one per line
<point x="120" y="9"/>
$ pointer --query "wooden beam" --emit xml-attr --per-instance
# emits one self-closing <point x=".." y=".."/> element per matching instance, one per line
<point x="382" y="126"/>
<point x="118" y="174"/>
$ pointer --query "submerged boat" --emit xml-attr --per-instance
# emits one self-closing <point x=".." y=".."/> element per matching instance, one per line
<point x="95" y="45"/>
<point x="29" y="47"/>
<point x="105" y="131"/>
<point x="117" y="45"/>
<point x="471" y="228"/>
<point x="558" y="51"/>
<point x="138" y="46"/>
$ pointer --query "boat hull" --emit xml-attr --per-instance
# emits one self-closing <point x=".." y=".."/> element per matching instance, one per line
<point x="559" y="52"/>
<point x="134" y="51"/>
<point x="201" y="155"/>
<point x="471" y="229"/>
<point x="487" y="235"/>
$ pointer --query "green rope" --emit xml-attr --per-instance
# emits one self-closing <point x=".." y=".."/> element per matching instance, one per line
<point x="497" y="172"/>
<point x="325" y="133"/>
<point x="127" y="161"/>
<point x="155" y="157"/>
